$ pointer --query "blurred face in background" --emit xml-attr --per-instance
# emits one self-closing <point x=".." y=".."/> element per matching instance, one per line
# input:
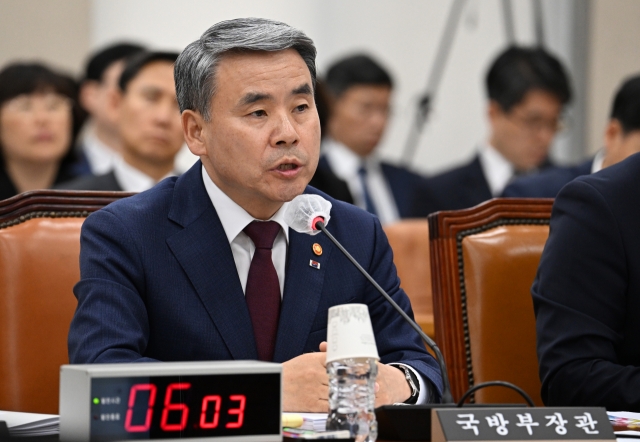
<point x="96" y="96"/>
<point x="619" y="144"/>
<point x="36" y="128"/>
<point x="523" y="135"/>
<point x="149" y="118"/>
<point x="359" y="117"/>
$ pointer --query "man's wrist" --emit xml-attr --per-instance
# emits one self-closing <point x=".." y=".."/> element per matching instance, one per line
<point x="412" y="381"/>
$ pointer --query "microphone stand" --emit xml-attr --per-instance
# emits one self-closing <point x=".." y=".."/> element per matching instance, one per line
<point x="446" y="387"/>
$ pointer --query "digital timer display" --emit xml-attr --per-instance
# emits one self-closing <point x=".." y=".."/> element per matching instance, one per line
<point x="184" y="406"/>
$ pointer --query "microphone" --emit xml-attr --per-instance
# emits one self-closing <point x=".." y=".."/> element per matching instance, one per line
<point x="309" y="213"/>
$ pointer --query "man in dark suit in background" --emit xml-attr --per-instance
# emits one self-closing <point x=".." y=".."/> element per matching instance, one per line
<point x="527" y="90"/>
<point x="586" y="294"/>
<point x="204" y="266"/>
<point x="621" y="139"/>
<point x="100" y="143"/>
<point x="148" y="126"/>
<point x="360" y="95"/>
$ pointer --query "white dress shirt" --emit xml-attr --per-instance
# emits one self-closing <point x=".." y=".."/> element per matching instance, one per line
<point x="498" y="171"/>
<point x="131" y="179"/>
<point x="598" y="161"/>
<point x="100" y="157"/>
<point x="345" y="164"/>
<point x="234" y="219"/>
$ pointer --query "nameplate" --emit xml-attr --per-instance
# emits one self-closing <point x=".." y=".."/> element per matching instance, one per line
<point x="530" y="424"/>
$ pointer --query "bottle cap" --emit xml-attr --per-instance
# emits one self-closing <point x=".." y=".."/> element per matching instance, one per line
<point x="349" y="333"/>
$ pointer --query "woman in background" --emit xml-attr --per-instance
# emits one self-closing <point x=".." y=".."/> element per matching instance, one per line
<point x="39" y="121"/>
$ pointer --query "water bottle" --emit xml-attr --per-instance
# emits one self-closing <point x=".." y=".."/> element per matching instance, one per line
<point x="352" y="397"/>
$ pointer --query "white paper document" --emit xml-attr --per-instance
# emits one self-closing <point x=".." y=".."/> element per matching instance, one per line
<point x="30" y="424"/>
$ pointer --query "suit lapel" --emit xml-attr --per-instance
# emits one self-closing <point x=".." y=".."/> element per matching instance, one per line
<point x="203" y="251"/>
<point x="302" y="290"/>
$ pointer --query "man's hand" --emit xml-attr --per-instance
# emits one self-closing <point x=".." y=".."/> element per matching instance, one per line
<point x="391" y="385"/>
<point x="306" y="384"/>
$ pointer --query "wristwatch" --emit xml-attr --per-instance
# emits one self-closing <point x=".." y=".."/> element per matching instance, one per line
<point x="412" y="380"/>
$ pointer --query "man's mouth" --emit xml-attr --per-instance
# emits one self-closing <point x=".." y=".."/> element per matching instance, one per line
<point x="287" y="166"/>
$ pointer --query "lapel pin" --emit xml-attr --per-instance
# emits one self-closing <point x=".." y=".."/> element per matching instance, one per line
<point x="314" y="264"/>
<point x="317" y="249"/>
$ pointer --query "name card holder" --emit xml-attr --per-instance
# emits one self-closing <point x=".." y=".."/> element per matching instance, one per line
<point x="521" y="424"/>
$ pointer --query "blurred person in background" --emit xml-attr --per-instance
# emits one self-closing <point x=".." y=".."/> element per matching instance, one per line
<point x="621" y="140"/>
<point x="39" y="121"/>
<point x="527" y="90"/>
<point x="100" y="141"/>
<point x="359" y="92"/>
<point x="148" y="126"/>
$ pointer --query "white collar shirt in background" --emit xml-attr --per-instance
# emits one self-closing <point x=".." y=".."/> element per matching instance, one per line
<point x="100" y="157"/>
<point x="234" y="219"/>
<point x="131" y="179"/>
<point x="345" y="165"/>
<point x="598" y="161"/>
<point x="498" y="171"/>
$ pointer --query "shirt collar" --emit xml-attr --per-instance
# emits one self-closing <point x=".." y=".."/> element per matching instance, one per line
<point x="498" y="171"/>
<point x="343" y="161"/>
<point x="100" y="156"/>
<point x="598" y="161"/>
<point x="131" y="179"/>
<point x="233" y="217"/>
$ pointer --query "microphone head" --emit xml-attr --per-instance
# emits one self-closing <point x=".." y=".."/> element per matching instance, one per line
<point x="303" y="213"/>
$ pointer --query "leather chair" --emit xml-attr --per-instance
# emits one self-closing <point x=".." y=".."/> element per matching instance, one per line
<point x="39" y="251"/>
<point x="409" y="240"/>
<point x="483" y="262"/>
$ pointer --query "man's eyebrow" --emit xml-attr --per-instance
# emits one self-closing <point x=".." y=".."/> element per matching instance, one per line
<point x="305" y="89"/>
<point x="254" y="97"/>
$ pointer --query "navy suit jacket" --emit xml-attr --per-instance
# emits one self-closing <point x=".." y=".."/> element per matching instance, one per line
<point x="158" y="282"/>
<point x="587" y="292"/>
<point x="403" y="183"/>
<point x="458" y="188"/>
<point x="547" y="183"/>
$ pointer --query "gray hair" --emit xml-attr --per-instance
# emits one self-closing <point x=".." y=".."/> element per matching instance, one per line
<point x="196" y="67"/>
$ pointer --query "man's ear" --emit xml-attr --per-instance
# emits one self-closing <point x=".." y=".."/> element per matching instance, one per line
<point x="494" y="110"/>
<point x="192" y="126"/>
<point x="88" y="93"/>
<point x="114" y="99"/>
<point x="612" y="132"/>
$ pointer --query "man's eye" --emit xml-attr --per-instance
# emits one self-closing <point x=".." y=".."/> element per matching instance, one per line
<point x="259" y="113"/>
<point x="302" y="107"/>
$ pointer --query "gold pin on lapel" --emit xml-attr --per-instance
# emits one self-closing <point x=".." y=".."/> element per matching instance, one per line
<point x="317" y="249"/>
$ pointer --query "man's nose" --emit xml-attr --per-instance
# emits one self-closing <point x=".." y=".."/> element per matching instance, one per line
<point x="164" y="113"/>
<point x="285" y="134"/>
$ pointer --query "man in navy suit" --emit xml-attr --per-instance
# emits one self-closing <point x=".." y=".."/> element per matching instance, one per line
<point x="527" y="90"/>
<point x="586" y="294"/>
<point x="360" y="95"/>
<point x="621" y="139"/>
<point x="170" y="274"/>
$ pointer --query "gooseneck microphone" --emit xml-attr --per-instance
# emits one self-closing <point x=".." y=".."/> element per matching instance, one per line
<point x="309" y="214"/>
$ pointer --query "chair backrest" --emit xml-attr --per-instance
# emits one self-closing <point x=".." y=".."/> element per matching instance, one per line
<point x="483" y="262"/>
<point x="39" y="265"/>
<point x="409" y="240"/>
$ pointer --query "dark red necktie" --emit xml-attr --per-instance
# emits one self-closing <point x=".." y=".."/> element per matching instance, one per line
<point x="263" y="289"/>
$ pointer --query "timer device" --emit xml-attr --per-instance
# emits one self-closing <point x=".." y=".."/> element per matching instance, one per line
<point x="196" y="401"/>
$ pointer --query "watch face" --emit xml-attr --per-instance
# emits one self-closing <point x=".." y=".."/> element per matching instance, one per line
<point x="174" y="407"/>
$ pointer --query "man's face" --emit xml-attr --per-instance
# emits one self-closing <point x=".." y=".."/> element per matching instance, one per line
<point x="262" y="144"/>
<point x="96" y="96"/>
<point x="359" y="117"/>
<point x="149" y="117"/>
<point x="524" y="134"/>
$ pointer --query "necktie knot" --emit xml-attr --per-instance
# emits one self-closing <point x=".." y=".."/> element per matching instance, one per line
<point x="263" y="234"/>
